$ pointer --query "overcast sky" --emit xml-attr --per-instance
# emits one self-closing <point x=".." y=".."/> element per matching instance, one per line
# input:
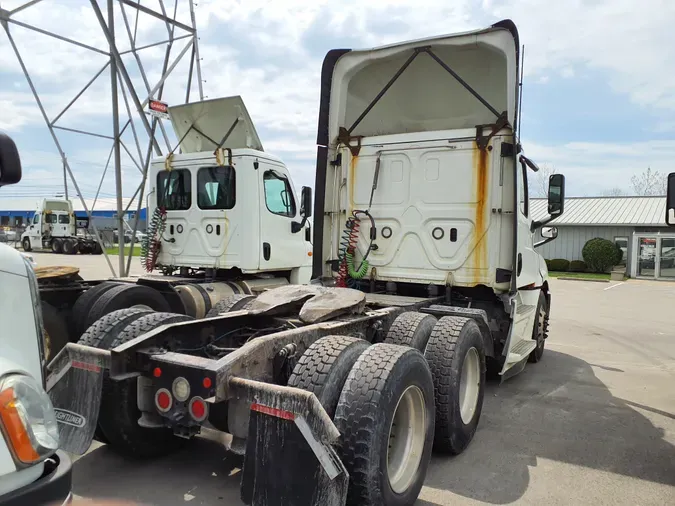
<point x="599" y="94"/>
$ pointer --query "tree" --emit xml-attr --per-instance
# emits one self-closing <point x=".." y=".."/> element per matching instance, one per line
<point x="601" y="254"/>
<point x="613" y="192"/>
<point x="537" y="182"/>
<point x="649" y="182"/>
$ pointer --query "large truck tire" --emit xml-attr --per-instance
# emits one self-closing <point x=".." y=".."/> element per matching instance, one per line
<point x="540" y="330"/>
<point x="411" y="329"/>
<point x="102" y="334"/>
<point x="127" y="295"/>
<point x="25" y="244"/>
<point x="84" y="303"/>
<point x="386" y="418"/>
<point x="56" y="334"/>
<point x="456" y="356"/>
<point x="69" y="247"/>
<point x="324" y="367"/>
<point x="235" y="302"/>
<point x="57" y="245"/>
<point x="118" y="419"/>
<point x="96" y="249"/>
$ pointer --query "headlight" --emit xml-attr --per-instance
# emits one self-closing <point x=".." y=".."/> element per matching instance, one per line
<point x="27" y="419"/>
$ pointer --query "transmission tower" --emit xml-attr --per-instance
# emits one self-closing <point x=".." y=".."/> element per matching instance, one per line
<point x="149" y="134"/>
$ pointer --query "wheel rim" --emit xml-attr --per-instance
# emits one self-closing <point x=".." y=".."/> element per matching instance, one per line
<point x="406" y="439"/>
<point x="469" y="385"/>
<point x="541" y="322"/>
<point x="141" y="306"/>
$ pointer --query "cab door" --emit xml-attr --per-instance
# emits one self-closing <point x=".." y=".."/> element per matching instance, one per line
<point x="280" y="248"/>
<point x="35" y="231"/>
<point x="61" y="226"/>
<point x="528" y="281"/>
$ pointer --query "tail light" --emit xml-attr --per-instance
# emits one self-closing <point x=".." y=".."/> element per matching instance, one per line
<point x="163" y="400"/>
<point x="198" y="409"/>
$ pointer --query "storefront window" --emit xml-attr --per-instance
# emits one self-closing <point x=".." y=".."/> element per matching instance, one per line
<point x="622" y="243"/>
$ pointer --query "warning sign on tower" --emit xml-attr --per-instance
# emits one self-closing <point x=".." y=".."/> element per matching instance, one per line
<point x="158" y="109"/>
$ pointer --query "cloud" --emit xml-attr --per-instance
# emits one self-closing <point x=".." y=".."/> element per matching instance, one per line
<point x="270" y="52"/>
<point x="591" y="168"/>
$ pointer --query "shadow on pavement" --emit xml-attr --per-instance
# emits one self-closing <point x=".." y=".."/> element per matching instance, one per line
<point x="556" y="410"/>
<point x="200" y="473"/>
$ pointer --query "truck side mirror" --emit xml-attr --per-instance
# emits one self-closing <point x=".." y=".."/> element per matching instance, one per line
<point x="556" y="201"/>
<point x="556" y="195"/>
<point x="10" y="163"/>
<point x="306" y="202"/>
<point x="305" y="209"/>
<point x="548" y="233"/>
<point x="670" y="200"/>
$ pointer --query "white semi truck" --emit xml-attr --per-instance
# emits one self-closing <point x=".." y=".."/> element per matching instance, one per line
<point x="224" y="219"/>
<point x="54" y="228"/>
<point x="32" y="469"/>
<point x="425" y="277"/>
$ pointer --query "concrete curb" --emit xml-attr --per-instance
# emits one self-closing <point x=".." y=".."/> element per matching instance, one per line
<point x="584" y="279"/>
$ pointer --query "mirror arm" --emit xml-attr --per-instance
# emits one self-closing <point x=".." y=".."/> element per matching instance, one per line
<point x="297" y="227"/>
<point x="538" y="224"/>
<point x="541" y="243"/>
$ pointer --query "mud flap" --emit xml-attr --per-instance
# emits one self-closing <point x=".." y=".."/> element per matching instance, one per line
<point x="289" y="457"/>
<point x="74" y="384"/>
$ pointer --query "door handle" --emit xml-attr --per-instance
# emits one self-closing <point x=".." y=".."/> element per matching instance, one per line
<point x="267" y="251"/>
<point x="520" y="264"/>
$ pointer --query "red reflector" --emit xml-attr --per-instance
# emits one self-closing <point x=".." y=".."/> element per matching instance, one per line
<point x="156" y="372"/>
<point x="279" y="413"/>
<point x="207" y="382"/>
<point x="198" y="409"/>
<point x="163" y="400"/>
<point x="87" y="367"/>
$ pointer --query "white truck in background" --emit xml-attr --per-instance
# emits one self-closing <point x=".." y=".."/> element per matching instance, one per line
<point x="54" y="228"/>
<point x="32" y="469"/>
<point x="223" y="219"/>
<point x="223" y="205"/>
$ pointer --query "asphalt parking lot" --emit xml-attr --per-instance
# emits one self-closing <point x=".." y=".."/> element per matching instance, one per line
<point x="91" y="266"/>
<point x="593" y="423"/>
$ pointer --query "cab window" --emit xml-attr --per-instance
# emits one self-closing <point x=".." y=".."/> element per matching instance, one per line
<point x="51" y="218"/>
<point x="278" y="194"/>
<point x="174" y="190"/>
<point x="64" y="219"/>
<point x="216" y="187"/>
<point x="36" y="219"/>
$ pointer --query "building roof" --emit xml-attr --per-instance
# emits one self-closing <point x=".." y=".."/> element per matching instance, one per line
<point x="31" y="203"/>
<point x="610" y="211"/>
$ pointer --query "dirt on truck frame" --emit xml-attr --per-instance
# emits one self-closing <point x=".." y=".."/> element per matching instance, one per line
<point x="425" y="279"/>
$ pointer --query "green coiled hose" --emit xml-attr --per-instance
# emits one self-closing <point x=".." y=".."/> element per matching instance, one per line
<point x="353" y="273"/>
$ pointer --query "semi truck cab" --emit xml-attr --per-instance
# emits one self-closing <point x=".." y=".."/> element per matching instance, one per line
<point x="223" y="203"/>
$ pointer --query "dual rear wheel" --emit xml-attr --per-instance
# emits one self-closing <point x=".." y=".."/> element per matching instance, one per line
<point x="394" y="402"/>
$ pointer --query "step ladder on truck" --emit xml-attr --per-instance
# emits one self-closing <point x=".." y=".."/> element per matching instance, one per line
<point x="425" y="277"/>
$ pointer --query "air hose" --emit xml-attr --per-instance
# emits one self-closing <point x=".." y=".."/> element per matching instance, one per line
<point x="350" y="237"/>
<point x="151" y="243"/>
